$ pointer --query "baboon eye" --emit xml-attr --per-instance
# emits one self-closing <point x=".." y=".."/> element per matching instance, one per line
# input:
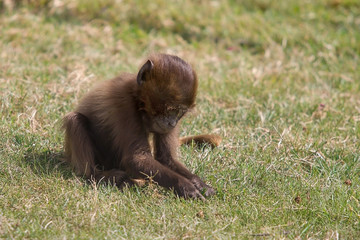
<point x="176" y="112"/>
<point x="173" y="112"/>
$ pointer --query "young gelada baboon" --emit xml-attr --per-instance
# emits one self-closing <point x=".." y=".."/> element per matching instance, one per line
<point x="107" y="136"/>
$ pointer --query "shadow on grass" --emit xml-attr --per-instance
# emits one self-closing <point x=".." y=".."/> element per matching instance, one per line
<point x="48" y="163"/>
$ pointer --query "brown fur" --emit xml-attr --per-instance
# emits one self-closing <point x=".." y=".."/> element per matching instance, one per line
<point x="106" y="137"/>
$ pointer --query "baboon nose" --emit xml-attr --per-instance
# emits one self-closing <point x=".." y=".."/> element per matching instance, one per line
<point x="172" y="123"/>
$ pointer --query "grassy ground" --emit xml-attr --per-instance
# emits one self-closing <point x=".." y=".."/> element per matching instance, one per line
<point x="279" y="80"/>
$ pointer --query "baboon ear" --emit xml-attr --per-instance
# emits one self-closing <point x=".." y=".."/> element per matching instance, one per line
<point x="144" y="70"/>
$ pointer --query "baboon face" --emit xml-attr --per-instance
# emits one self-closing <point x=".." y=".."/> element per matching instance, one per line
<point x="166" y="95"/>
<point x="167" y="120"/>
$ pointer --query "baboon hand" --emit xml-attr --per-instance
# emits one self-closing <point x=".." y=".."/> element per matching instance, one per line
<point x="205" y="189"/>
<point x="187" y="190"/>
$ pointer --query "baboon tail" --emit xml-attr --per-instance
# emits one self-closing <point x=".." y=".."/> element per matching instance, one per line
<point x="211" y="139"/>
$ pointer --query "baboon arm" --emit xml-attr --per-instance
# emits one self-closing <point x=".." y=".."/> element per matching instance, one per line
<point x="165" y="152"/>
<point x="143" y="165"/>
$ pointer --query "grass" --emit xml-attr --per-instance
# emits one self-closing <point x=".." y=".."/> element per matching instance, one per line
<point x="279" y="80"/>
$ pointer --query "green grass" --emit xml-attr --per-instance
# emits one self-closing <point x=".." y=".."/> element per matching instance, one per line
<point x="279" y="80"/>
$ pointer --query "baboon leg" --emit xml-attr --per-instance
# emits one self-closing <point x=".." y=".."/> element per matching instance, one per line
<point x="115" y="177"/>
<point x="79" y="146"/>
<point x="80" y="150"/>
